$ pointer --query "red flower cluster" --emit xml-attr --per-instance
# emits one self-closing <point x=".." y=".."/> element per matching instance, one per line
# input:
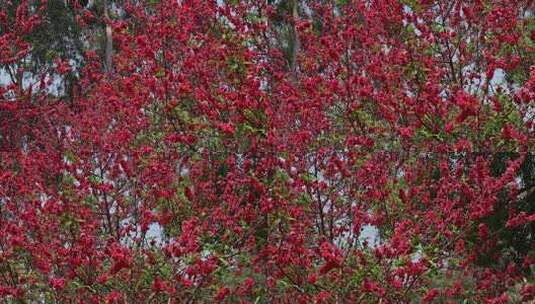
<point x="349" y="151"/>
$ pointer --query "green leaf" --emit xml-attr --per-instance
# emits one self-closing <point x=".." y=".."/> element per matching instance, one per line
<point x="95" y="179"/>
<point x="160" y="73"/>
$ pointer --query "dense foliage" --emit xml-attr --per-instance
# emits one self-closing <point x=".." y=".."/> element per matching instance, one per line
<point x="279" y="151"/>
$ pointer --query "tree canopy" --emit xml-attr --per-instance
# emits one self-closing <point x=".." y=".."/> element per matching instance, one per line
<point x="279" y="151"/>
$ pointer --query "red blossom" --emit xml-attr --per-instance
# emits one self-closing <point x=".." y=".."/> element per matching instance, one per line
<point x="357" y="151"/>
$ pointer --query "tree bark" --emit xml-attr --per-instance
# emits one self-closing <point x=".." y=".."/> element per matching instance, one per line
<point x="295" y="37"/>
<point x="109" y="40"/>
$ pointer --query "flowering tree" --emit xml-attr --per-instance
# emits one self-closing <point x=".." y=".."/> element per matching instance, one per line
<point x="278" y="151"/>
